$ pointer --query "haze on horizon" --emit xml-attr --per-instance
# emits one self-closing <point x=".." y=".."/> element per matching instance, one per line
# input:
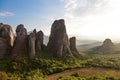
<point x="94" y="19"/>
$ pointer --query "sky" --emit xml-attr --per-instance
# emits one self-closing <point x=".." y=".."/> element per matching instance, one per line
<point x="93" y="19"/>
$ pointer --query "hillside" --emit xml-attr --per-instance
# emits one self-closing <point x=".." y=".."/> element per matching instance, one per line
<point x="42" y="66"/>
<point x="87" y="46"/>
<point x="107" y="47"/>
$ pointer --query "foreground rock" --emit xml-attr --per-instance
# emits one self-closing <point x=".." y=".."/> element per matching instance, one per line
<point x="6" y="32"/>
<point x="58" y="41"/>
<point x="3" y="48"/>
<point x="24" y="44"/>
<point x="20" y="44"/>
<point x="6" y="39"/>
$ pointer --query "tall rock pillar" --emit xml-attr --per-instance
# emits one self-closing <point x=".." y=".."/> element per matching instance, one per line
<point x="58" y="43"/>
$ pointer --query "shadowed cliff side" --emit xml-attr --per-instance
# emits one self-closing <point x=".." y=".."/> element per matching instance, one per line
<point x="58" y="43"/>
<point x="20" y="44"/>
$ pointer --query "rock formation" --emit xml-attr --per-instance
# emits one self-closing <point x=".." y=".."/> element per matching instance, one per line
<point x="106" y="48"/>
<point x="58" y="41"/>
<point x="73" y="44"/>
<point x="1" y="24"/>
<point x="107" y="44"/>
<point x="6" y="32"/>
<point x="6" y="39"/>
<point x="35" y="31"/>
<point x="58" y="44"/>
<point x="3" y="47"/>
<point x="39" y="40"/>
<point x="20" y="44"/>
<point x="31" y="39"/>
<point x="21" y="31"/>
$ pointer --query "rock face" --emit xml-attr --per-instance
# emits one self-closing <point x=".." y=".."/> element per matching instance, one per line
<point x="6" y="39"/>
<point x="1" y="24"/>
<point x="20" y="44"/>
<point x="58" y="41"/>
<point x="21" y="31"/>
<point x="31" y="39"/>
<point x="35" y="31"/>
<point x="24" y="44"/>
<point x="6" y="32"/>
<point x="73" y="44"/>
<point x="39" y="40"/>
<point x="3" y="48"/>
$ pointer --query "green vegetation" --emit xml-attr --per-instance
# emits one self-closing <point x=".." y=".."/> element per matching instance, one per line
<point x="97" y="77"/>
<point x="40" y="66"/>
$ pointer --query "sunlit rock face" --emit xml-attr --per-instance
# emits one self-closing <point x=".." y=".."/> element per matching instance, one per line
<point x="6" y="39"/>
<point x="73" y="44"/>
<point x="20" y="44"/>
<point x="6" y="32"/>
<point x="39" y="40"/>
<point x="31" y="40"/>
<point x="58" y="43"/>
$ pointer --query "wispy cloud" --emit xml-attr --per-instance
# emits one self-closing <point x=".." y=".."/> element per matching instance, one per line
<point x="6" y="14"/>
<point x="84" y="7"/>
<point x="91" y="7"/>
<point x="89" y="14"/>
<point x="69" y="4"/>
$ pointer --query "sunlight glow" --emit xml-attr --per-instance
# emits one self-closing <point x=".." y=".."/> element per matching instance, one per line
<point x="98" y="25"/>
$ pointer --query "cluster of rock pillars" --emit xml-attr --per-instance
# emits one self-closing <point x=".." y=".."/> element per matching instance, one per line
<point x="29" y="44"/>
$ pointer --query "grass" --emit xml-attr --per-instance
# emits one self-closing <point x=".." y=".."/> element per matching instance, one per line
<point x="43" y="65"/>
<point x="87" y="72"/>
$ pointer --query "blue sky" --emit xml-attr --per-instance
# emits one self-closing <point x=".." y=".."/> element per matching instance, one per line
<point x="95" y="19"/>
<point x="31" y="13"/>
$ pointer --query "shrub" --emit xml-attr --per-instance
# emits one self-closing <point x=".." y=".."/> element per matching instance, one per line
<point x="3" y="76"/>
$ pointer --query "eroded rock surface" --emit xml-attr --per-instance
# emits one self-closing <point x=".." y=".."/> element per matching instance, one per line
<point x="31" y="39"/>
<point x="39" y="40"/>
<point x="6" y="39"/>
<point x="58" y="41"/>
<point x="3" y="48"/>
<point x="73" y="44"/>
<point x="20" y="44"/>
<point x="6" y="32"/>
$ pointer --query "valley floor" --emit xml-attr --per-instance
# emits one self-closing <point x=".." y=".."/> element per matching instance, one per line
<point x="85" y="72"/>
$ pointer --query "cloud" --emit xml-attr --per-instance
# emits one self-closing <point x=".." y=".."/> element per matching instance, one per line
<point x="97" y="19"/>
<point x="84" y="7"/>
<point x="91" y="7"/>
<point x="77" y="10"/>
<point x="69" y="4"/>
<point x="5" y="14"/>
